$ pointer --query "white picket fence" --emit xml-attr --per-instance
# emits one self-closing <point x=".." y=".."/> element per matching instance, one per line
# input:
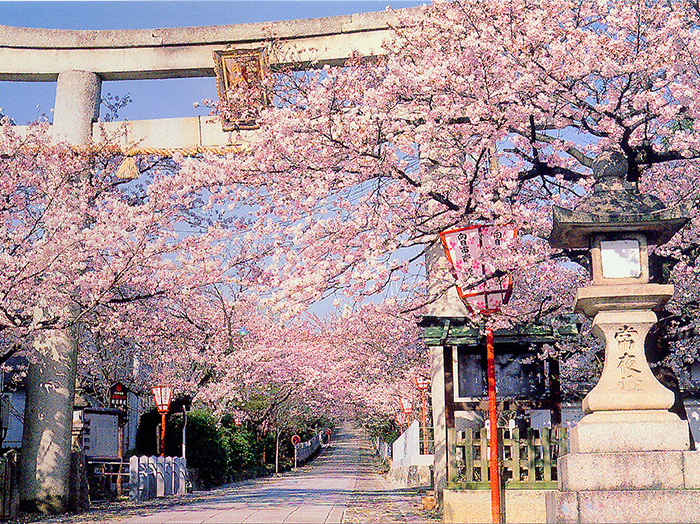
<point x="304" y="450"/>
<point x="152" y="477"/>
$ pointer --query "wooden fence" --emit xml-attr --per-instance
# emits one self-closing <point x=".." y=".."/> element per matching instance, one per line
<point x="528" y="462"/>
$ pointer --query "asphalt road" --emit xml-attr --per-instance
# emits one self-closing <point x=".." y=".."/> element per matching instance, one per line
<point x="342" y="485"/>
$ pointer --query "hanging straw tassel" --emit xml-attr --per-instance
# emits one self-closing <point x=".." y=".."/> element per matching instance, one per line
<point x="128" y="170"/>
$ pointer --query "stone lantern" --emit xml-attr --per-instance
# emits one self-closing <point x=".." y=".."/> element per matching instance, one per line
<point x="628" y="458"/>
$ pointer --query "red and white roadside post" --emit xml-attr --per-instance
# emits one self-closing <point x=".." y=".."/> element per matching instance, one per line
<point x="422" y="384"/>
<point x="118" y="399"/>
<point x="162" y="396"/>
<point x="464" y="248"/>
<point x="296" y="439"/>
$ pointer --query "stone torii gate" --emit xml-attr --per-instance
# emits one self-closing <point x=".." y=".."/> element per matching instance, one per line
<point x="79" y="61"/>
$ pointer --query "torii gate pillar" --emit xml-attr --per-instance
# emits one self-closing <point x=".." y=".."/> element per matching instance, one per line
<point x="48" y="416"/>
<point x="77" y="106"/>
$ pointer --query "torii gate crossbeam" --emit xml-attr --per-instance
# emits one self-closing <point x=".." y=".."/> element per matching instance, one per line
<point x="36" y="55"/>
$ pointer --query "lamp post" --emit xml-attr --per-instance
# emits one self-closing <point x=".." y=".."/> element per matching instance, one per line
<point x="162" y="396"/>
<point x="464" y="248"/>
<point x="406" y="408"/>
<point x="422" y="384"/>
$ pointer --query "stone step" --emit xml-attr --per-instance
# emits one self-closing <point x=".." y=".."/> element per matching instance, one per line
<point x="629" y="471"/>
<point x="648" y="506"/>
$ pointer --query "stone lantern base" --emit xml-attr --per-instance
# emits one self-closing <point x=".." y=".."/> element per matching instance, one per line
<point x="628" y="466"/>
<point x="631" y="431"/>
<point x="628" y="457"/>
<point x="608" y="506"/>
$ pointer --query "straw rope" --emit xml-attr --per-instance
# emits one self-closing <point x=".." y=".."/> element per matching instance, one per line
<point x="191" y="151"/>
<point x="128" y="170"/>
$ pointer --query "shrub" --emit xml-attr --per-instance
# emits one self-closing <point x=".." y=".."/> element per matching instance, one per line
<point x="206" y="447"/>
<point x="240" y="448"/>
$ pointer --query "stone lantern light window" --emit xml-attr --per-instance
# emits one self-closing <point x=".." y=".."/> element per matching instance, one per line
<point x="620" y="259"/>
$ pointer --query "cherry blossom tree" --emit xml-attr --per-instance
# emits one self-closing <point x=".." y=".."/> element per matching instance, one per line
<point x="92" y="250"/>
<point x="352" y="363"/>
<point x="480" y="112"/>
<point x="151" y="278"/>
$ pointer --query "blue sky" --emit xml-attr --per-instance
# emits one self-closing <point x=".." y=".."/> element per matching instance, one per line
<point x="27" y="101"/>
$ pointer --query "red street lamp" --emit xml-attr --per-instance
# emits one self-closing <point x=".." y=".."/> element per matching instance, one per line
<point x="422" y="384"/>
<point x="162" y="396"/>
<point x="464" y="248"/>
<point x="406" y="406"/>
<point x="406" y="410"/>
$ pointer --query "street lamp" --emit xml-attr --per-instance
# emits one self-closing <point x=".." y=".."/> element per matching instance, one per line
<point x="465" y="249"/>
<point x="162" y="396"/>
<point x="406" y="408"/>
<point x="422" y="384"/>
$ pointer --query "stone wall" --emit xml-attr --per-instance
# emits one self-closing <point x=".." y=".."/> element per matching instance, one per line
<point x="474" y="506"/>
<point x="408" y="466"/>
<point x="412" y="476"/>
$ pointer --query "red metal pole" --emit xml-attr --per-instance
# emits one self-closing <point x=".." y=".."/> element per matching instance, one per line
<point x="425" y="425"/>
<point x="493" y="421"/>
<point x="162" y="435"/>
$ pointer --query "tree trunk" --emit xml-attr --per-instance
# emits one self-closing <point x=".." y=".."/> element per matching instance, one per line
<point x="277" y="452"/>
<point x="48" y="423"/>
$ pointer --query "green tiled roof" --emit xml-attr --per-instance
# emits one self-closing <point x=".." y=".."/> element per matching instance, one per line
<point x="440" y="331"/>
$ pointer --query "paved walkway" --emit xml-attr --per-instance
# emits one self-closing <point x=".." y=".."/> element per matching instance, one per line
<point x="343" y="485"/>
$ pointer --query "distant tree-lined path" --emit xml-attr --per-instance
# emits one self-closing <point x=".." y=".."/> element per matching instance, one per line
<point x="341" y="485"/>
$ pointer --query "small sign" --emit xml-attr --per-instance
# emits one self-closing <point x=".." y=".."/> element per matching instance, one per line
<point x="239" y="83"/>
<point x="118" y="397"/>
<point x="328" y="432"/>
<point x="464" y="248"/>
<point x="296" y="439"/>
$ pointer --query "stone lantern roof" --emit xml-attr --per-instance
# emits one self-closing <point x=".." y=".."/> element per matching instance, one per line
<point x="615" y="206"/>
